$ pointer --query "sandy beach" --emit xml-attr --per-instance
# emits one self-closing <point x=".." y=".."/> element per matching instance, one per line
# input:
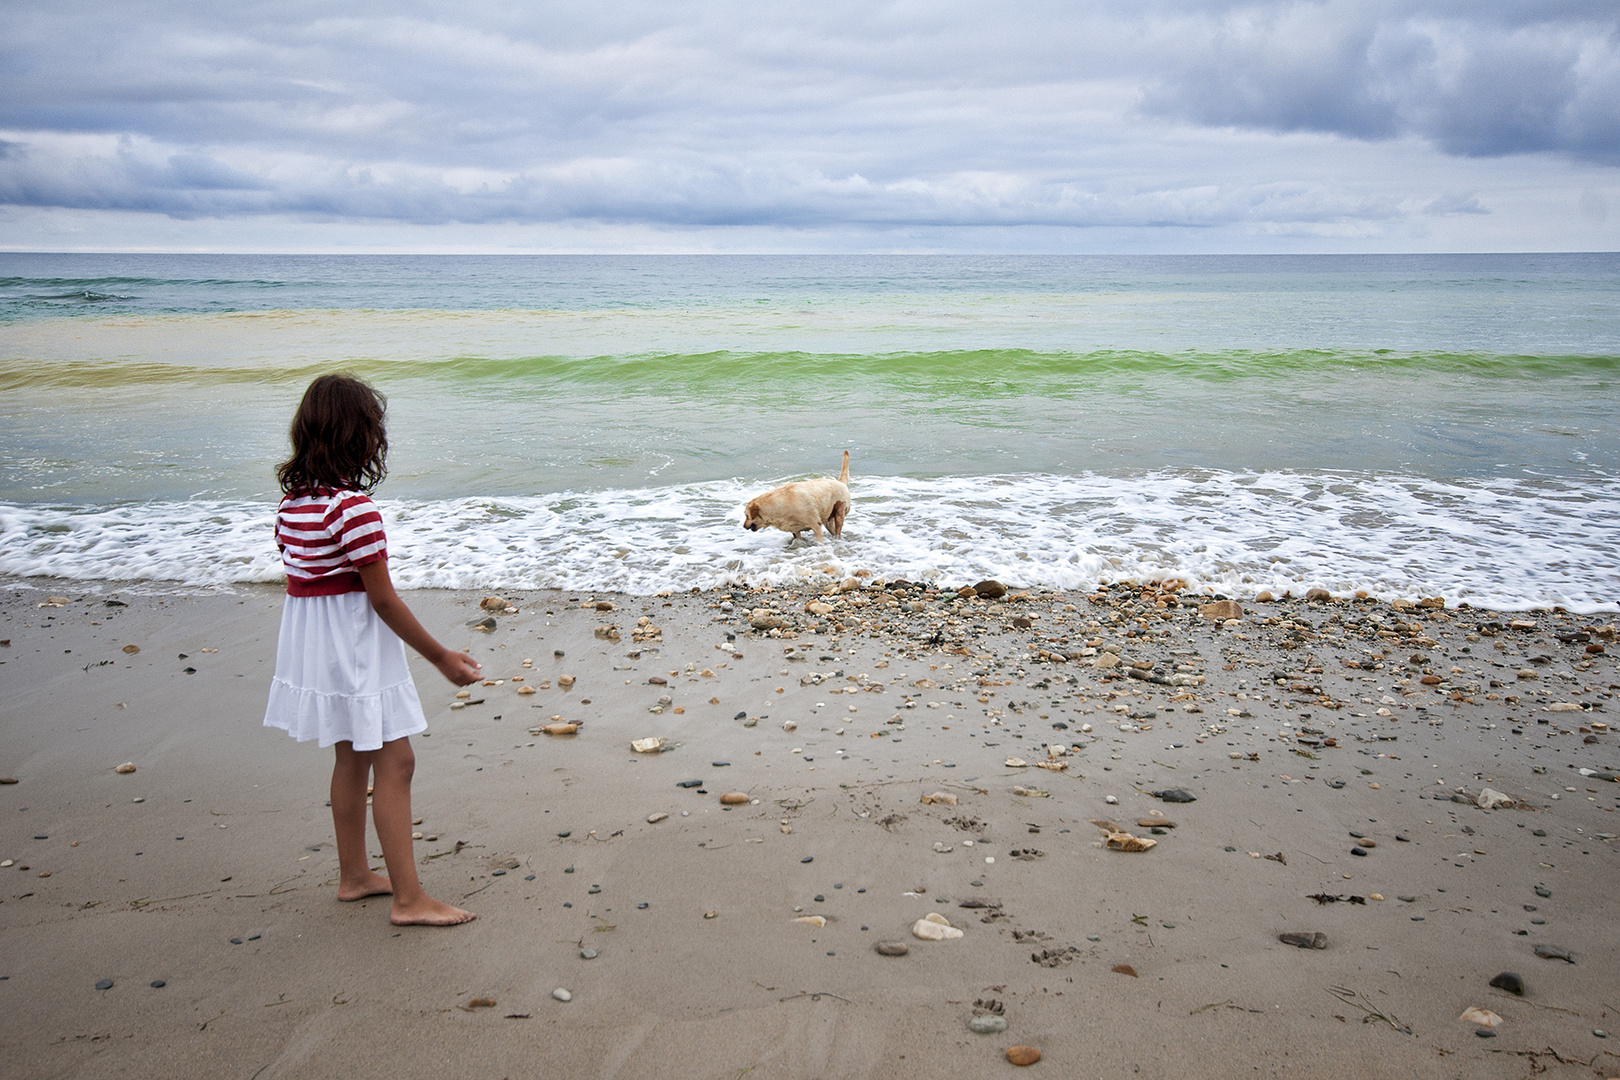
<point x="180" y="920"/>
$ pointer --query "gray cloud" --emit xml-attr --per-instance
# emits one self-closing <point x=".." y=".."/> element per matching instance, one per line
<point x="1474" y="80"/>
<point x="731" y="114"/>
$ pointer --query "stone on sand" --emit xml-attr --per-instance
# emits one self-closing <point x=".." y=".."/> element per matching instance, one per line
<point x="1511" y="981"/>
<point x="1304" y="940"/>
<point x="934" y="927"/>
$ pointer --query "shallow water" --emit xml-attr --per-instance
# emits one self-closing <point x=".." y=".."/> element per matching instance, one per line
<point x="1401" y="424"/>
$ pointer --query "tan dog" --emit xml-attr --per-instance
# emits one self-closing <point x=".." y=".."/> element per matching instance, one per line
<point x="803" y="504"/>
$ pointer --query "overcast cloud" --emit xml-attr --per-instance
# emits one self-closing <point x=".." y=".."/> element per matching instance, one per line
<point x="911" y="124"/>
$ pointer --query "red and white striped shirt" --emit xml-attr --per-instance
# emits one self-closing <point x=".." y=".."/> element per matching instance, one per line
<point x="325" y="536"/>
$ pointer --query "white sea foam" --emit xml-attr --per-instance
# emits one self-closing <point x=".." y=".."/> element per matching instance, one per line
<point x="1508" y="544"/>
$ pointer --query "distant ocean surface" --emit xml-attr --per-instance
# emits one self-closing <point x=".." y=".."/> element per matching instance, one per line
<point x="1409" y="425"/>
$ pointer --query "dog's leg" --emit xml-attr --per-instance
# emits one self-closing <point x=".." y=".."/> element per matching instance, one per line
<point x="835" y="520"/>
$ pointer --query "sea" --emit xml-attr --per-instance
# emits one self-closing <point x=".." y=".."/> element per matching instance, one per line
<point x="1406" y="425"/>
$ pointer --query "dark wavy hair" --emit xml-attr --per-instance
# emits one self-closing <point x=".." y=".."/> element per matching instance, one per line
<point x="338" y="438"/>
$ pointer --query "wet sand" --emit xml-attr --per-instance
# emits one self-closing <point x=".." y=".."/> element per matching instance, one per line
<point x="222" y="835"/>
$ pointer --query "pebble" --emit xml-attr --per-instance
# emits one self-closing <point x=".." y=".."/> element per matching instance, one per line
<point x="562" y="995"/>
<point x="1511" y="981"/>
<point x="158" y="984"/>
<point x="126" y="768"/>
<point x="987" y="1025"/>
<point x="587" y="954"/>
<point x="1023" y="1055"/>
<point x="734" y="798"/>
<point x="934" y="928"/>
<point x="892" y="948"/>
<point x="1554" y="952"/>
<point x="1304" y="940"/>
<point x="104" y="984"/>
<point x="653" y="819"/>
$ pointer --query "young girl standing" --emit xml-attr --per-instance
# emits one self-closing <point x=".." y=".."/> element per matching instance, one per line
<point x="341" y="676"/>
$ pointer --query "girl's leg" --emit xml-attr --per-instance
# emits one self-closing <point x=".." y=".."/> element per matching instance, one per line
<point x="393" y="767"/>
<point x="350" y="772"/>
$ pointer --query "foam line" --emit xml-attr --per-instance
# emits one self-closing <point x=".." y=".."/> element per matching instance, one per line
<point x="1504" y="543"/>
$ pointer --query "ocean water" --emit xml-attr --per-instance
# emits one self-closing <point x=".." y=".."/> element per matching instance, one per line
<point x="1409" y="425"/>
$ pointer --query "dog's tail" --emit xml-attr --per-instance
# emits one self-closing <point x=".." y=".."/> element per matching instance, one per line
<point x="843" y="476"/>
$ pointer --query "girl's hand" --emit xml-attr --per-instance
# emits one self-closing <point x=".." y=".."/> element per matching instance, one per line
<point x="460" y="668"/>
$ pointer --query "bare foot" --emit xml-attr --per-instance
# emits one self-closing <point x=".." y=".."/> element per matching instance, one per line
<point x="429" y="912"/>
<point x="373" y="884"/>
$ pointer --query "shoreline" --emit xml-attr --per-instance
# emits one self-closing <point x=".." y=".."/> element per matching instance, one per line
<point x="1500" y="543"/>
<point x="897" y="705"/>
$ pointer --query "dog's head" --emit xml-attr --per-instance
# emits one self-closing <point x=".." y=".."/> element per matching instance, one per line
<point x="752" y="520"/>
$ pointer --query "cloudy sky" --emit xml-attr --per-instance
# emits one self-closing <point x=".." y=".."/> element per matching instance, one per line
<point x="1021" y="125"/>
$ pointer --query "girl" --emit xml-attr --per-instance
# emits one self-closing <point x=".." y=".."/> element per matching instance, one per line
<point x="341" y="676"/>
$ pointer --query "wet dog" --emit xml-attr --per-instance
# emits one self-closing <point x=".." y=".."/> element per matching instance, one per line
<point x="804" y="504"/>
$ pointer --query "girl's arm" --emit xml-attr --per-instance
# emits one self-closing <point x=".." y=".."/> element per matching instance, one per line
<point x="458" y="667"/>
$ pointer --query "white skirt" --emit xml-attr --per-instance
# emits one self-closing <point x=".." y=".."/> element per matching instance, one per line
<point x="341" y="675"/>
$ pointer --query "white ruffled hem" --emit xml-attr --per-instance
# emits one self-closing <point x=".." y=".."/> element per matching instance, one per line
<point x="366" y="720"/>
